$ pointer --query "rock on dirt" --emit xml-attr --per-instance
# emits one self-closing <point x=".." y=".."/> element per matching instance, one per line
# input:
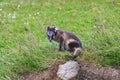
<point x="68" y="70"/>
<point x="87" y="71"/>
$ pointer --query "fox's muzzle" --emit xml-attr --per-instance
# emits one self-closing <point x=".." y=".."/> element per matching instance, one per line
<point x="50" y="39"/>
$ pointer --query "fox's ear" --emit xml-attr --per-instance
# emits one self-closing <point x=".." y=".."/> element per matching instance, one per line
<point x="47" y="28"/>
<point x="55" y="29"/>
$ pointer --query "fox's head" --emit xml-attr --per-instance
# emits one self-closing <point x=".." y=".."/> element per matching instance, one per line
<point x="51" y="32"/>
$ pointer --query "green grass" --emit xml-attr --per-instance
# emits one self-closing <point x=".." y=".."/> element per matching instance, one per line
<point x="23" y="43"/>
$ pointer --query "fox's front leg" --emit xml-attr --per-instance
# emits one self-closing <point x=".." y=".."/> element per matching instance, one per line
<point x="61" y="45"/>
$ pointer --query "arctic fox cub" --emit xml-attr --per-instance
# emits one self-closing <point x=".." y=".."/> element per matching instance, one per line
<point x="67" y="40"/>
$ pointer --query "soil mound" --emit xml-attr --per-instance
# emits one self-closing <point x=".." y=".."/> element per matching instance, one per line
<point x="49" y="74"/>
<point x="88" y="71"/>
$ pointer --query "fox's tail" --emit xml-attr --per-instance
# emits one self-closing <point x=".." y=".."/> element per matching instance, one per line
<point x="77" y="52"/>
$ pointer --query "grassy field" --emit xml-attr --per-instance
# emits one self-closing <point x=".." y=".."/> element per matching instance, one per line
<point x="23" y="43"/>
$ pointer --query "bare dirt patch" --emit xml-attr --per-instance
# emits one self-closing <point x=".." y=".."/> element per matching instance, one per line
<point x="88" y="71"/>
<point x="49" y="74"/>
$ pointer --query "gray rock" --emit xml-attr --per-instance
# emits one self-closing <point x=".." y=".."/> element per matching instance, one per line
<point x="68" y="70"/>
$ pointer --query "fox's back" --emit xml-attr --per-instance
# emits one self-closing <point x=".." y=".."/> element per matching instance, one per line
<point x="67" y="36"/>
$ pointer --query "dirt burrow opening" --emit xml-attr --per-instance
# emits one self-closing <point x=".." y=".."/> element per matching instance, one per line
<point x="88" y="71"/>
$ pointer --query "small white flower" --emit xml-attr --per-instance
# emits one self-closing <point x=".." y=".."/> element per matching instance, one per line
<point x="26" y="23"/>
<point x="94" y="26"/>
<point x="18" y="6"/>
<point x="14" y="16"/>
<point x="29" y="15"/>
<point x="1" y="9"/>
<point x="9" y="15"/>
<point x="3" y="3"/>
<point x="38" y="13"/>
